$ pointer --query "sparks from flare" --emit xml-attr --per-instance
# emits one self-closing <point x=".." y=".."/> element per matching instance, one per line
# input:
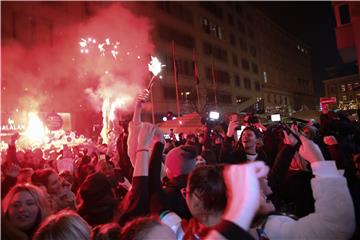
<point x="155" y="67"/>
<point x="109" y="113"/>
<point x="89" y="44"/>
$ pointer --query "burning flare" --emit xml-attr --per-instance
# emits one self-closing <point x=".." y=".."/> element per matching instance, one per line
<point x="35" y="132"/>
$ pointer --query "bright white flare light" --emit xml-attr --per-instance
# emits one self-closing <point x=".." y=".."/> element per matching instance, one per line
<point x="35" y="131"/>
<point x="155" y="66"/>
<point x="91" y="44"/>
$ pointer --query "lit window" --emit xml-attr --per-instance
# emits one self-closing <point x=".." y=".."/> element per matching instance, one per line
<point x="349" y="87"/>
<point x="212" y="28"/>
<point x="343" y="87"/>
<point x="265" y="77"/>
<point x="344" y="97"/>
<point x="241" y="99"/>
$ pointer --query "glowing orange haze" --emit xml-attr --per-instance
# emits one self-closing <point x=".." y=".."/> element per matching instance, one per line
<point x="60" y="78"/>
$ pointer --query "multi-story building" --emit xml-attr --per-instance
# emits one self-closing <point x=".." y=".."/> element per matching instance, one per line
<point x="245" y="60"/>
<point x="347" y="15"/>
<point x="346" y="89"/>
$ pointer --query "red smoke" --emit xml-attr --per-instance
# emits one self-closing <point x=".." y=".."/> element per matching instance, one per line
<point x="59" y="78"/>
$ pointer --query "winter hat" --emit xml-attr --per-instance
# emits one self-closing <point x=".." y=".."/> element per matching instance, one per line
<point x="180" y="160"/>
<point x="95" y="187"/>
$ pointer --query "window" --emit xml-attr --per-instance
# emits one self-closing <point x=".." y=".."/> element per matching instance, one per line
<point x="265" y="78"/>
<point x="232" y="39"/>
<point x="243" y="44"/>
<point x="169" y="93"/>
<point x="183" y="66"/>
<point x="207" y="49"/>
<point x="210" y="96"/>
<point x="208" y="74"/>
<point x="213" y="8"/>
<point x="356" y="86"/>
<point x="342" y="88"/>
<point x="286" y="100"/>
<point x="344" y="14"/>
<point x="255" y="68"/>
<point x="241" y="99"/>
<point x="241" y="26"/>
<point x="238" y="8"/>
<point x="183" y="39"/>
<point x="245" y="64"/>
<point x="251" y="33"/>
<point x="344" y="97"/>
<point x="235" y="59"/>
<point x="177" y="10"/>
<point x="215" y="51"/>
<point x="222" y="77"/>
<point x="247" y="83"/>
<point x="163" y="5"/>
<point x="250" y="18"/>
<point x="269" y="98"/>
<point x="349" y="87"/>
<point x="212" y="28"/>
<point x="231" y="20"/>
<point x="225" y="98"/>
<point x="237" y="80"/>
<point x="252" y="51"/>
<point x="257" y="86"/>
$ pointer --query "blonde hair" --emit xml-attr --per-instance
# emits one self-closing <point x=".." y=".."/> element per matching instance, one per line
<point x="65" y="224"/>
<point x="37" y="193"/>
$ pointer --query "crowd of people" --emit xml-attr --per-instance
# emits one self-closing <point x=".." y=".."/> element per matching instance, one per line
<point x="298" y="181"/>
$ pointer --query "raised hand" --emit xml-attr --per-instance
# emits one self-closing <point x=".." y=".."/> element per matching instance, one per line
<point x="12" y="170"/>
<point x="289" y="139"/>
<point x="330" y="140"/>
<point x="232" y="126"/>
<point x="309" y="150"/>
<point x="144" y="96"/>
<point x="14" y="138"/>
<point x="146" y="135"/>
<point x="242" y="182"/>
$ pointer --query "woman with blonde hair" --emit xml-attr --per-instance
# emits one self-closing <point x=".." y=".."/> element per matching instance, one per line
<point x="23" y="209"/>
<point x="65" y="224"/>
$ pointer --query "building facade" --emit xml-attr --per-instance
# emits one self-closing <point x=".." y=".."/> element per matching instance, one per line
<point x="256" y="64"/>
<point x="346" y="88"/>
<point x="245" y="61"/>
<point x="347" y="15"/>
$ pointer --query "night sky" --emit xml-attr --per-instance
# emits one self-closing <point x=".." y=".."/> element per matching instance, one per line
<point x="313" y="23"/>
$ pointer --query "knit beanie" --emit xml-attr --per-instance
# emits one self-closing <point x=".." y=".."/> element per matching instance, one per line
<point x="180" y="161"/>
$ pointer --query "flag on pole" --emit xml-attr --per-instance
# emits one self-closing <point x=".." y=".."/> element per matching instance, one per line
<point x="176" y="79"/>
<point x="196" y="70"/>
<point x="214" y="81"/>
<point x="197" y="79"/>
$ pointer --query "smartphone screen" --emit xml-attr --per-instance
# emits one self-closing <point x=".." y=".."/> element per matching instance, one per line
<point x="238" y="132"/>
<point x="275" y="118"/>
